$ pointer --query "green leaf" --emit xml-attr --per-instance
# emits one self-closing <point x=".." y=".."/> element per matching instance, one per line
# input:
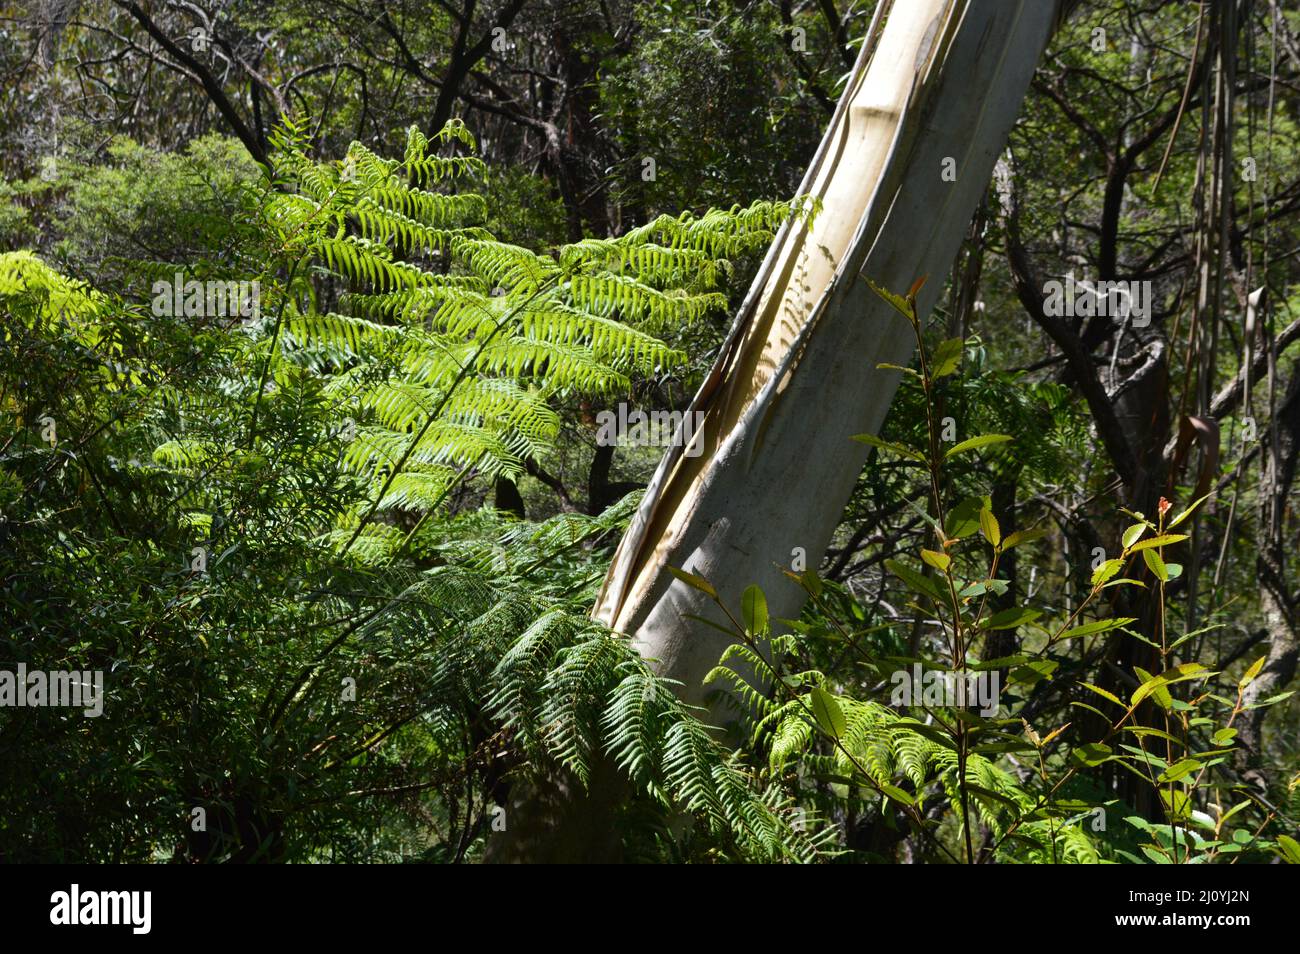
<point x="886" y="366"/>
<point x="964" y="519"/>
<point x="1132" y="534"/>
<point x="897" y="794"/>
<point x="690" y="579"/>
<point x="1188" y="512"/>
<point x="1149" y="685"/>
<point x="972" y="443"/>
<point x="1177" y="803"/>
<point x="1033" y="672"/>
<point x="1011" y="618"/>
<point x="1255" y="668"/>
<point x="901" y="304"/>
<point x="1022" y="536"/>
<point x="947" y="357"/>
<point x="1156" y="565"/>
<point x="811" y="582"/>
<point x="1156" y="855"/>
<point x="1232" y="811"/>
<point x="1099" y="626"/>
<point x="1093" y="753"/>
<point x="989" y="527"/>
<point x="1180" y="769"/>
<point x="827" y="712"/>
<point x="1157" y="684"/>
<point x="914" y="579"/>
<point x="1164" y="540"/>
<point x="1290" y="849"/>
<point x="753" y="609"/>
<point x="1272" y="700"/>
<point x="1103" y="693"/>
<point x="1105" y="571"/>
<point x="893" y="447"/>
<point x="710" y="623"/>
<point x="988" y="795"/>
<point x="1142" y="732"/>
<point x="940" y="561"/>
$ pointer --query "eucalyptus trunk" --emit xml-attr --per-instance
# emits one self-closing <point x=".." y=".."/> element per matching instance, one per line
<point x="907" y="156"/>
<point x="900" y="171"/>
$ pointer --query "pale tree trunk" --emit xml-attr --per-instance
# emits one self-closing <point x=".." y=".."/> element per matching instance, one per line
<point x="936" y="89"/>
<point x="1277" y="604"/>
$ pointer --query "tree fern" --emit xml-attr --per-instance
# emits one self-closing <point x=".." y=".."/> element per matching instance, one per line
<point x="439" y="318"/>
<point x="385" y="369"/>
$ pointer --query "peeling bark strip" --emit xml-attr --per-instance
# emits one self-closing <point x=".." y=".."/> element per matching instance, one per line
<point x="937" y="82"/>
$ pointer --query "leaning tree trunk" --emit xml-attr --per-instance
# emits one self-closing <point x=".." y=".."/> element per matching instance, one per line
<point x="909" y="152"/>
<point x="1277" y="472"/>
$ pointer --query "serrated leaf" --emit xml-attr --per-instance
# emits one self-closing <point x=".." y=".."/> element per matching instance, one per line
<point x="1103" y="693"/>
<point x="1105" y="571"/>
<point x="1149" y="685"/>
<point x="1164" y="540"/>
<point x="1156" y="565"/>
<point x="901" y="304"/>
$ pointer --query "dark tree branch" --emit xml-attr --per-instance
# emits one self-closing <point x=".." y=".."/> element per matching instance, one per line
<point x="206" y="79"/>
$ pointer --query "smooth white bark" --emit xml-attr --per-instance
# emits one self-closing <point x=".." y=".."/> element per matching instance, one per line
<point x="937" y="80"/>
